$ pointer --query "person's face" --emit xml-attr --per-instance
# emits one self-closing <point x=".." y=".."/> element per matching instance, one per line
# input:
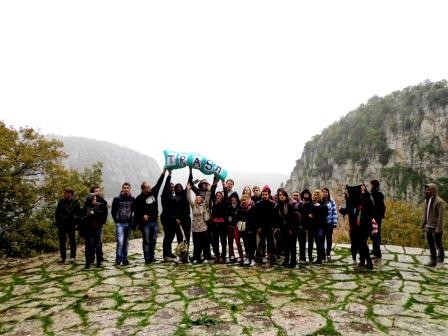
<point x="146" y="188"/>
<point x="264" y="195"/>
<point x="325" y="193"/>
<point x="363" y="188"/>
<point x="281" y="197"/>
<point x="246" y="191"/>
<point x="256" y="191"/>
<point x="97" y="191"/>
<point x="219" y="197"/>
<point x="68" y="195"/>
<point x="315" y="197"/>
<point x="243" y="202"/>
<point x="428" y="192"/>
<point x="306" y="196"/>
<point x="204" y="186"/>
<point x="296" y="197"/>
<point x="171" y="187"/>
<point x="126" y="190"/>
<point x="234" y="201"/>
<point x="229" y="185"/>
<point x="178" y="189"/>
<point x="198" y="200"/>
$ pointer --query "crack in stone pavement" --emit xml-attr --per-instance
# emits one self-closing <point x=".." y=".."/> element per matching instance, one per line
<point x="400" y="296"/>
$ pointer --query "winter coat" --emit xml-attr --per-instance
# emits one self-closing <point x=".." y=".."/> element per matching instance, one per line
<point x="147" y="204"/>
<point x="123" y="208"/>
<point x="434" y="216"/>
<point x="68" y="213"/>
<point x="201" y="213"/>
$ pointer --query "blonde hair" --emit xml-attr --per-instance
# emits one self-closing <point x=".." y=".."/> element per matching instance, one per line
<point x="319" y="195"/>
<point x="244" y="197"/>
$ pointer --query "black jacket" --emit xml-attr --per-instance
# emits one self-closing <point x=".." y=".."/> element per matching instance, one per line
<point x="68" y="213"/>
<point x="123" y="209"/>
<point x="264" y="214"/>
<point x="379" y="208"/>
<point x="147" y="204"/>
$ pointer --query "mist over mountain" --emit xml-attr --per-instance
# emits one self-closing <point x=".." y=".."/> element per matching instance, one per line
<point x="122" y="164"/>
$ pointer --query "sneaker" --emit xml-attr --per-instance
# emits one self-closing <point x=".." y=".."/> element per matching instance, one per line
<point x="369" y="265"/>
<point x="168" y="259"/>
<point x="263" y="260"/>
<point x="61" y="261"/>
<point x="98" y="265"/>
<point x="232" y="259"/>
<point x="253" y="263"/>
<point x="125" y="262"/>
<point x="317" y="262"/>
<point x="246" y="262"/>
<point x="87" y="266"/>
<point x="72" y="260"/>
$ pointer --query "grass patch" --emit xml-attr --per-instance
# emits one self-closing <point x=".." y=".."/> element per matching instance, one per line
<point x="430" y="309"/>
<point x="327" y="330"/>
<point x="46" y="325"/>
<point x="409" y="303"/>
<point x="205" y="320"/>
<point x="16" y="280"/>
<point x="118" y="299"/>
<point x="80" y="311"/>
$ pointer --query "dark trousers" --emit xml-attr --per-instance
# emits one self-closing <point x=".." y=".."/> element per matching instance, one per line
<point x="93" y="248"/>
<point x="319" y="236"/>
<point x="376" y="240"/>
<point x="289" y="239"/>
<point x="435" y="243"/>
<point x="230" y="239"/>
<point x="301" y="237"/>
<point x="354" y="243"/>
<point x="218" y="233"/>
<point x="201" y="245"/>
<point x="310" y="239"/>
<point x="63" y="232"/>
<point x="169" y="231"/>
<point x="249" y="242"/>
<point x="329" y="239"/>
<point x="363" y="247"/>
<point x="266" y="240"/>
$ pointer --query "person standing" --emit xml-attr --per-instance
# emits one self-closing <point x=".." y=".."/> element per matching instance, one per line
<point x="145" y="216"/>
<point x="168" y="218"/>
<point x="332" y="220"/>
<point x="95" y="215"/>
<point x="432" y="223"/>
<point x="68" y="212"/>
<point x="201" y="216"/>
<point x="122" y="213"/>
<point x="379" y="209"/>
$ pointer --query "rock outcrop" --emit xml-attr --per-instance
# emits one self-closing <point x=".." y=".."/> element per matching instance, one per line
<point x="400" y="139"/>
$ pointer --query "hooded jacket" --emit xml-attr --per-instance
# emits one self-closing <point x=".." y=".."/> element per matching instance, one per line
<point x="434" y="216"/>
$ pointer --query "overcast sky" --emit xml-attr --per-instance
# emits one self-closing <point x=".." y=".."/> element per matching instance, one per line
<point x="246" y="83"/>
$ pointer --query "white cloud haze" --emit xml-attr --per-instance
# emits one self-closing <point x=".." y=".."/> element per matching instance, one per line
<point x="246" y="83"/>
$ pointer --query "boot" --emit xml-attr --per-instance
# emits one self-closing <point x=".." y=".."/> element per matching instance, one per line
<point x="432" y="262"/>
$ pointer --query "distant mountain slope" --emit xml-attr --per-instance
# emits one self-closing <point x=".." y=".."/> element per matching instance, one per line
<point x="120" y="164"/>
<point x="400" y="139"/>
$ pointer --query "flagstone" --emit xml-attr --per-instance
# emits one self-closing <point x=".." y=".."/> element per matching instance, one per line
<point x="64" y="320"/>
<point x="121" y="281"/>
<point x="297" y="321"/>
<point x="27" y="327"/>
<point x="18" y="314"/>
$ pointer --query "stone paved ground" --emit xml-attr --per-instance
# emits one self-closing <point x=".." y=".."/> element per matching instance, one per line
<point x="400" y="297"/>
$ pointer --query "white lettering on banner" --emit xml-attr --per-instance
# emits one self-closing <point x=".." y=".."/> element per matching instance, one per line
<point x="196" y="163"/>
<point x="208" y="165"/>
<point x="182" y="161"/>
<point x="171" y="159"/>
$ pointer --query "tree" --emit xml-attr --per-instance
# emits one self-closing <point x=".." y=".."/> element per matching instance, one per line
<point x="32" y="177"/>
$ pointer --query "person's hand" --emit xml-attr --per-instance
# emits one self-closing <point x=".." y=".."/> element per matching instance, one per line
<point x="164" y="171"/>
<point x="178" y="221"/>
<point x="145" y="218"/>
<point x="188" y="186"/>
<point x="316" y="204"/>
<point x="223" y="184"/>
<point x="311" y="216"/>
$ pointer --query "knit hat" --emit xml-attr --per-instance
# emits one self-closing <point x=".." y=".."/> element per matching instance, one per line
<point x="201" y="182"/>
<point x="266" y="188"/>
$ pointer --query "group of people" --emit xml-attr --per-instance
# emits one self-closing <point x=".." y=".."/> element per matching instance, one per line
<point x="263" y="226"/>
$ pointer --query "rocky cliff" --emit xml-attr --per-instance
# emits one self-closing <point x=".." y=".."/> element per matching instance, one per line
<point x="400" y="139"/>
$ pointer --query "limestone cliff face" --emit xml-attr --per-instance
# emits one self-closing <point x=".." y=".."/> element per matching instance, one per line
<point x="401" y="140"/>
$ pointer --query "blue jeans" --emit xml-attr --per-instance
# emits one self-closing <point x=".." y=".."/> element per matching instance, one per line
<point x="122" y="233"/>
<point x="149" y="234"/>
